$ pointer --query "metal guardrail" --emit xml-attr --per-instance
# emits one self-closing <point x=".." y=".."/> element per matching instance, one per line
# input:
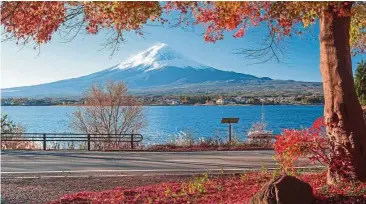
<point x="71" y="137"/>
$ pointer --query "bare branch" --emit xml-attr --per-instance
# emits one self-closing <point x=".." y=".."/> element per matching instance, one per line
<point x="270" y="50"/>
<point x="109" y="110"/>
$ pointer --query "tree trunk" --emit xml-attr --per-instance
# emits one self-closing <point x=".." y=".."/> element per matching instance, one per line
<point x="342" y="112"/>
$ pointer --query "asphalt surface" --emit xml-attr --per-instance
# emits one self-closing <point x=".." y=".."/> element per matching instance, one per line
<point x="78" y="163"/>
<point x="32" y="162"/>
<point x="30" y="176"/>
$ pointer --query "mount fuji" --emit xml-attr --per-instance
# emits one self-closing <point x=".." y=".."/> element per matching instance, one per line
<point x="159" y="69"/>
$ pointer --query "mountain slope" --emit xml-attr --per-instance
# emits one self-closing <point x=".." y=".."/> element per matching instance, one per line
<point x="158" y="69"/>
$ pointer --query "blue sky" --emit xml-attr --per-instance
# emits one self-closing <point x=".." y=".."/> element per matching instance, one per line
<point x="58" y="60"/>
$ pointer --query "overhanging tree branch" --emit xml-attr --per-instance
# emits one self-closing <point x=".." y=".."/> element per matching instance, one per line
<point x="270" y="50"/>
<point x="11" y="12"/>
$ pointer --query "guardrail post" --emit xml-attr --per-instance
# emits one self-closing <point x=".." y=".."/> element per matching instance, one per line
<point x="229" y="133"/>
<point x="132" y="141"/>
<point x="44" y="141"/>
<point x="88" y="142"/>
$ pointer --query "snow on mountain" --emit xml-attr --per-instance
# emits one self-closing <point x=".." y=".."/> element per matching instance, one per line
<point x="158" y="56"/>
<point x="158" y="68"/>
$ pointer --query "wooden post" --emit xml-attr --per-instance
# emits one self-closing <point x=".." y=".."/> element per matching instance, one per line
<point x="44" y="141"/>
<point x="132" y="141"/>
<point x="88" y="142"/>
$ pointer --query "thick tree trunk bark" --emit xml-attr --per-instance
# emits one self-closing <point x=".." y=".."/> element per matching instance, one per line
<point x="343" y="114"/>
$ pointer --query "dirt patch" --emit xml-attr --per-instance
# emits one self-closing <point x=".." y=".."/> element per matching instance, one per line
<point x="43" y="190"/>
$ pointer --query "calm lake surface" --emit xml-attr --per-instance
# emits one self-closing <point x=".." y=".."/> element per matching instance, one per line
<point x="166" y="122"/>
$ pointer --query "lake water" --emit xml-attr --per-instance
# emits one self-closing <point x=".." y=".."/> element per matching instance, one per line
<point x="165" y="122"/>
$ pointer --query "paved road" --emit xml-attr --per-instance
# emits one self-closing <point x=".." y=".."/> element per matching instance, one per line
<point x="53" y="162"/>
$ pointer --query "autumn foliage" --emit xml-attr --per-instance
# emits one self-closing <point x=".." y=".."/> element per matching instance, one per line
<point x="311" y="143"/>
<point x="122" y="16"/>
<point x="38" y="21"/>
<point x="294" y="144"/>
<point x="32" y="20"/>
<point x="283" y="19"/>
<point x="216" y="189"/>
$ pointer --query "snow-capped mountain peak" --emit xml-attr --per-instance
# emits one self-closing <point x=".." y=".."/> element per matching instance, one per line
<point x="157" y="69"/>
<point x="159" y="56"/>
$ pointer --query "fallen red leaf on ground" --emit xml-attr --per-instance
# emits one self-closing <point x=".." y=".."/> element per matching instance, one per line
<point x="219" y="189"/>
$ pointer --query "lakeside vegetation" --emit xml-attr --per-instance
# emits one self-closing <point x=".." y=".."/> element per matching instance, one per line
<point x="177" y="100"/>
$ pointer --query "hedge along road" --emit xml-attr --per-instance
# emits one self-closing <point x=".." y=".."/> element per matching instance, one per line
<point x="15" y="164"/>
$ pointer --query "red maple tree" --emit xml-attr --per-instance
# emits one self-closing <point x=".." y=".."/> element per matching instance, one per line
<point x="342" y="32"/>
